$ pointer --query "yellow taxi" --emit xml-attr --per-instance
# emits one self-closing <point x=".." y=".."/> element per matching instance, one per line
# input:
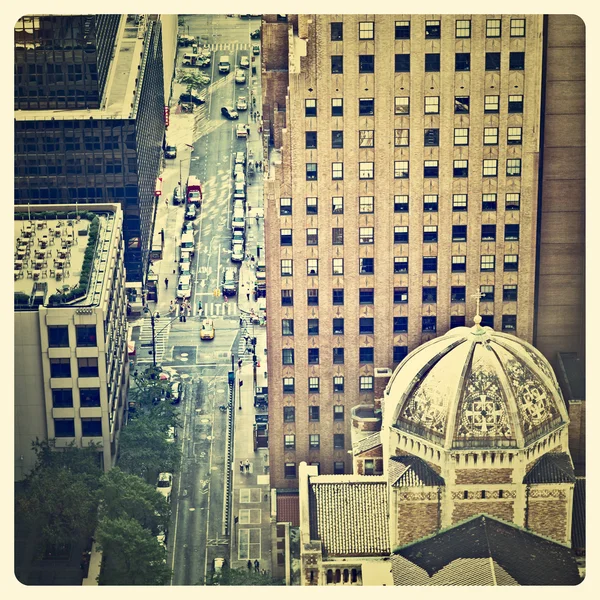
<point x="207" y="332"/>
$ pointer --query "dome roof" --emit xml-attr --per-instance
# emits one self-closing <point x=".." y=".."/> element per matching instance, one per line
<point x="475" y="388"/>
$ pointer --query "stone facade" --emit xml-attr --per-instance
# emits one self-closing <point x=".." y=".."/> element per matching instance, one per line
<point x="548" y="508"/>
<point x="418" y="515"/>
<point x="501" y="509"/>
<point x="483" y="476"/>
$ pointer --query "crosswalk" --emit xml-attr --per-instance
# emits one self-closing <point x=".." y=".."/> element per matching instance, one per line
<point x="161" y="334"/>
<point x="224" y="309"/>
<point x="230" y="46"/>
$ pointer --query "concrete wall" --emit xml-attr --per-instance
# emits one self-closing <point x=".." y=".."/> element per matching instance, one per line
<point x="169" y="46"/>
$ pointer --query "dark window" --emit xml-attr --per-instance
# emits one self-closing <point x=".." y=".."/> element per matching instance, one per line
<point x="402" y="63"/>
<point x="290" y="470"/>
<point x="338" y="441"/>
<point x="366" y="63"/>
<point x="337" y="32"/>
<point x="285" y="237"/>
<point x="338" y="469"/>
<point x="313" y="326"/>
<point x="366" y="295"/>
<point x="458" y="293"/>
<point x="459" y="264"/>
<point x="457" y="321"/>
<point x="517" y="61"/>
<point x="337" y="107"/>
<point x="288" y="385"/>
<point x="88" y="367"/>
<point x="366" y="266"/>
<point x="488" y="202"/>
<point x="459" y="233"/>
<point x="89" y="397"/>
<point x="338" y="411"/>
<point x="487" y="321"/>
<point x="311" y="171"/>
<point x="515" y="104"/>
<point x="337" y="236"/>
<point x="338" y="296"/>
<point x="289" y="414"/>
<point x="400" y="295"/>
<point x="400" y="264"/>
<point x="312" y="237"/>
<point x="366" y="325"/>
<point x="60" y="367"/>
<point x="461" y="104"/>
<point x="86" y="335"/>
<point x="430" y="264"/>
<point x="337" y="64"/>
<point x="312" y="297"/>
<point x="287" y="326"/>
<point x="58" y="336"/>
<point x="365" y="355"/>
<point x="312" y="206"/>
<point x="400" y="353"/>
<point x="285" y="206"/>
<point x="313" y="356"/>
<point x="287" y="356"/>
<point x="492" y="61"/>
<point x="430" y="234"/>
<point x="91" y="427"/>
<point x="430" y="294"/>
<point x="431" y="137"/>
<point x="432" y="63"/>
<point x="338" y="326"/>
<point x="460" y="168"/>
<point x="462" y="61"/>
<point x="337" y="139"/>
<point x="366" y="107"/>
<point x="310" y="107"/>
<point x="509" y="322"/>
<point x="314" y="413"/>
<point x="287" y="297"/>
<point x="314" y="385"/>
<point x="430" y="168"/>
<point x="311" y="140"/>
<point x="62" y="398"/>
<point x="509" y="293"/>
<point x="511" y="262"/>
<point x="402" y="30"/>
<point x="400" y="204"/>
<point x="429" y="324"/>
<point x="486" y="293"/>
<point x="432" y="30"/>
<point x="511" y="232"/>
<point x="400" y="235"/>
<point x="64" y="428"/>
<point x="400" y="324"/>
<point x="488" y="233"/>
<point x="338" y="356"/>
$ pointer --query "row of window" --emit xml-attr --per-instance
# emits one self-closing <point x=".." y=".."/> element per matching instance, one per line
<point x="431" y="169"/>
<point x="462" y="104"/>
<point x="314" y="413"/>
<point x="314" y="441"/>
<point x="433" y="29"/>
<point x="89" y="427"/>
<point x="290" y="472"/>
<point x="367" y="295"/>
<point x="366" y="204"/>
<point x="85" y="336"/>
<point x="86" y="367"/>
<point x="366" y="266"/>
<point x="63" y="398"/>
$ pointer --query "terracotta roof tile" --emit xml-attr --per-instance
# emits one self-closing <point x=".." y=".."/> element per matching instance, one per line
<point x="411" y="471"/>
<point x="367" y="443"/>
<point x="288" y="509"/>
<point x="554" y="467"/>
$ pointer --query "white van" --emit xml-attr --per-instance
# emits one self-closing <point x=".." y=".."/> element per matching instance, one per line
<point x="187" y="243"/>
<point x="184" y="287"/>
<point x="238" y="221"/>
<point x="224" y="64"/>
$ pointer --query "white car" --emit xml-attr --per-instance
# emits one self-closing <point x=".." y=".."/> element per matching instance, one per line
<point x="241" y="103"/>
<point x="244" y="62"/>
<point x="165" y="485"/>
<point x="171" y="435"/>
<point x="238" y="168"/>
<point x="239" y="178"/>
<point x="240" y="158"/>
<point x="241" y="130"/>
<point x="237" y="252"/>
<point x="240" y="76"/>
<point x="184" y="287"/>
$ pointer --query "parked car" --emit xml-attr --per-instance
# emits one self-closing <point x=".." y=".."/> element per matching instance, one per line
<point x="241" y="103"/>
<point x="239" y="191"/>
<point x="240" y="158"/>
<point x="238" y="168"/>
<point x="241" y="130"/>
<point x="256" y="50"/>
<point x="177" y="196"/>
<point x="229" y="112"/>
<point x="191" y="211"/>
<point x="170" y="151"/>
<point x="186" y="40"/>
<point x="230" y="281"/>
<point x="237" y="252"/>
<point x="176" y="392"/>
<point x="244" y="62"/>
<point x="165" y="485"/>
<point x="207" y="331"/>
<point x="184" y="287"/>
<point x="185" y="264"/>
<point x="255" y="35"/>
<point x="171" y="435"/>
<point x="187" y="226"/>
<point x="192" y="97"/>
<point x="240" y="76"/>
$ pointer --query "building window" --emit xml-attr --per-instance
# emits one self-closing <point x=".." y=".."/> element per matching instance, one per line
<point x="402" y="63"/>
<point x="338" y="356"/>
<point x="509" y="293"/>
<point x="365" y="355"/>
<point x="337" y="171"/>
<point x="460" y="168"/>
<point x="337" y="64"/>
<point x="365" y="383"/>
<point x="286" y="267"/>
<point x="458" y="293"/>
<point x="89" y="397"/>
<point x="313" y="326"/>
<point x="461" y="104"/>
<point x="62" y="398"/>
<point x="314" y="413"/>
<point x="511" y="232"/>
<point x="338" y="297"/>
<point x="400" y="264"/>
<point x="310" y="107"/>
<point x="366" y="266"/>
<point x="312" y="297"/>
<point x="431" y="137"/>
<point x="312" y="266"/>
<point x="365" y="204"/>
<point x="338" y="409"/>
<point x="366" y="138"/>
<point x="289" y="441"/>
<point x="401" y="105"/>
<point x="487" y="321"/>
<point x="58" y="336"/>
<point x="429" y="325"/>
<point x="488" y="202"/>
<point x="459" y="264"/>
<point x="91" y="427"/>
<point x="312" y="206"/>
<point x="491" y="104"/>
<point x="288" y="385"/>
<point x="366" y="63"/>
<point x="337" y="32"/>
<point x="314" y="441"/>
<point x="366" y="325"/>
<point x="400" y="295"/>
<point x="337" y="139"/>
<point x="312" y="237"/>
<point x="430" y="234"/>
<point x="366" y="30"/>
<point x="488" y="233"/>
<point x="401" y="169"/>
<point x="402" y="30"/>
<point x="430" y="264"/>
<point x="515" y="104"/>
<point x="337" y="236"/>
<point x="432" y="30"/>
<point x="313" y="356"/>
<point x="516" y="61"/>
<point x="366" y="295"/>
<point x="430" y="168"/>
<point x="401" y="137"/>
<point x="462" y="61"/>
<point x="430" y="203"/>
<point x="432" y="105"/>
<point x="490" y="136"/>
<point x="314" y="385"/>
<point x="285" y="206"/>
<point x="338" y="326"/>
<point x="87" y="367"/>
<point x="290" y="470"/>
<point x="287" y="297"/>
<point x="400" y="204"/>
<point x="338" y="441"/>
<point x="457" y="321"/>
<point x="366" y="235"/>
<point x="337" y="266"/>
<point x="513" y="167"/>
<point x="490" y="167"/>
<point x="459" y="202"/>
<point x="366" y="170"/>
<point x="400" y="324"/>
<point x="287" y="327"/>
<point x="459" y="233"/>
<point x="493" y="28"/>
<point x="400" y="234"/>
<point x="310" y="140"/>
<point x="64" y="428"/>
<point x="488" y="262"/>
<point x="287" y="356"/>
<point x="432" y="63"/>
<point x="337" y="107"/>
<point x="517" y="28"/>
<point x="487" y="293"/>
<point x="492" y="61"/>
<point x="461" y="137"/>
<point x="366" y="107"/>
<point x="513" y="201"/>
<point x="289" y="414"/>
<point x="338" y="468"/>
<point x="514" y="136"/>
<point x="311" y="171"/>
<point x="463" y="28"/>
<point x="285" y="237"/>
<point x="509" y="322"/>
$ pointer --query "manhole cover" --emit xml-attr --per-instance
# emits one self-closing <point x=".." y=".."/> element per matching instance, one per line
<point x="192" y="509"/>
<point x="184" y="354"/>
<point x="183" y="358"/>
<point x="204" y="420"/>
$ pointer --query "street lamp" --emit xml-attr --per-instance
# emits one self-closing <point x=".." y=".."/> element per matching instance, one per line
<point x="182" y="160"/>
<point x="155" y="316"/>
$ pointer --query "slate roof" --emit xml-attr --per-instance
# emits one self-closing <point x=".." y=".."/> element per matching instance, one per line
<point x="288" y="509"/>
<point x="454" y="557"/>
<point x="578" y="521"/>
<point x="410" y="471"/>
<point x="554" y="467"/>
<point x="350" y="518"/>
<point x="367" y="443"/>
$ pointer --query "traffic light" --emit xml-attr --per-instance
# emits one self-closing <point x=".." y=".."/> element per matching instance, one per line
<point x="254" y="359"/>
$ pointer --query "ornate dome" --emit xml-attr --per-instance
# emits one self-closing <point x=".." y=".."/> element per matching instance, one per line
<point x="475" y="388"/>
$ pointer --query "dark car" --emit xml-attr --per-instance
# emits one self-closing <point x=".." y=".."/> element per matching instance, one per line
<point x="229" y="112"/>
<point x="255" y="35"/>
<point x="177" y="196"/>
<point x="191" y="97"/>
<point x="170" y="151"/>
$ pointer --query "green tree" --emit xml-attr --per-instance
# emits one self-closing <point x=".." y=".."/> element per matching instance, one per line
<point x="148" y="388"/>
<point x="193" y="80"/>
<point x="241" y="576"/>
<point x="132" y="555"/>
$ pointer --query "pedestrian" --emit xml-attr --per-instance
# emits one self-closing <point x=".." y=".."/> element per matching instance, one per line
<point x="167" y="282"/>
<point x="248" y="296"/>
<point x="256" y="566"/>
<point x="225" y="298"/>
<point x="241" y="471"/>
<point x="167" y="202"/>
<point x="162" y="236"/>
<point x="252" y="258"/>
<point x="249" y="565"/>
<point x="259" y="129"/>
<point x="256" y="219"/>
<point x="240" y="363"/>
<point x="247" y="465"/>
<point x="253" y="101"/>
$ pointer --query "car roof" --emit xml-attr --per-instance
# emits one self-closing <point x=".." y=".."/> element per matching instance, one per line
<point x="207" y="322"/>
<point x="184" y="279"/>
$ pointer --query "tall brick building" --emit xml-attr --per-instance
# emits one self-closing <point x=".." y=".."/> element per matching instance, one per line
<point x="408" y="184"/>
